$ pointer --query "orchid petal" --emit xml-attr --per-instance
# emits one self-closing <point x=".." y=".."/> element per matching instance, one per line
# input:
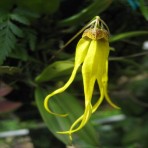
<point x="103" y="51"/>
<point x="84" y="119"/>
<point x="89" y="71"/>
<point x="105" y="80"/>
<point x="81" y="51"/>
<point x="97" y="104"/>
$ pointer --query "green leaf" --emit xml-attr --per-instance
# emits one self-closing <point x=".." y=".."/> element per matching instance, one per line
<point x="16" y="30"/>
<point x="7" y="41"/>
<point x="8" y="33"/>
<point x="57" y="69"/>
<point x="65" y="103"/>
<point x="144" y="9"/>
<point x="121" y="36"/>
<point x="19" y="18"/>
<point x="86" y="14"/>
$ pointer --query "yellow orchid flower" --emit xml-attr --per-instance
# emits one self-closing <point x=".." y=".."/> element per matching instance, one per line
<point x="92" y="53"/>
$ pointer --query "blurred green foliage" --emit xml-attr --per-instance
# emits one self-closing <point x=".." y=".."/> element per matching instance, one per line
<point x="31" y="34"/>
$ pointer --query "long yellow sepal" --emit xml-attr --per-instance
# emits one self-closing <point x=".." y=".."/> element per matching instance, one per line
<point x="81" y="51"/>
<point x="83" y="119"/>
<point x="105" y="83"/>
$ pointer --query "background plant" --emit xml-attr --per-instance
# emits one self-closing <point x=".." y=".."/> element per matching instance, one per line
<point x="32" y="31"/>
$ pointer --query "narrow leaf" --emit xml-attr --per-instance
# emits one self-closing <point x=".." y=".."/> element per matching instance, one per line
<point x="16" y="30"/>
<point x="144" y="9"/>
<point x="86" y="14"/>
<point x="127" y="35"/>
<point x="19" y="18"/>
